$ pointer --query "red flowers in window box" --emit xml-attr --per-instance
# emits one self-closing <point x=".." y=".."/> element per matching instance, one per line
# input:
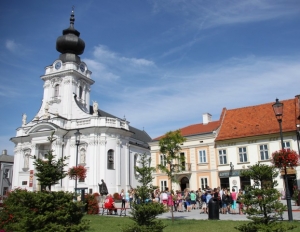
<point x="78" y="172"/>
<point x="285" y="158"/>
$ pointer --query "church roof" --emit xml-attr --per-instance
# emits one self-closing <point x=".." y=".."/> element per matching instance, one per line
<point x="6" y="158"/>
<point x="69" y="44"/>
<point x="196" y="129"/>
<point x="138" y="134"/>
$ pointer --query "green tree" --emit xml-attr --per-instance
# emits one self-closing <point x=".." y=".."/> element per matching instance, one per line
<point x="261" y="201"/>
<point x="144" y="212"/>
<point x="170" y="148"/>
<point x="50" y="171"/>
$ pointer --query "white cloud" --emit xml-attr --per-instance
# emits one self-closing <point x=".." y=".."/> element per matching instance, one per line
<point x="215" y="13"/>
<point x="103" y="54"/>
<point x="11" y="45"/>
<point x="181" y="99"/>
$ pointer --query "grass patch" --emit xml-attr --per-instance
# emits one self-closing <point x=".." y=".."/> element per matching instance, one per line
<point x="116" y="223"/>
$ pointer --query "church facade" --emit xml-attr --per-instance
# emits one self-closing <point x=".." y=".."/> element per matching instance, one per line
<point x="109" y="147"/>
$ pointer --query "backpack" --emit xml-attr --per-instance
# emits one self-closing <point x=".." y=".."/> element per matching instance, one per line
<point x="203" y="198"/>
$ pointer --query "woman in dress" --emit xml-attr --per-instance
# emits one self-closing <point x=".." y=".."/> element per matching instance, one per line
<point x="233" y="198"/>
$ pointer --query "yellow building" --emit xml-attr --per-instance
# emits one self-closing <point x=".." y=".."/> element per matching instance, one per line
<point x="200" y="168"/>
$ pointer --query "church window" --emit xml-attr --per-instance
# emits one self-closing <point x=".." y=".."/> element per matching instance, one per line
<point x="56" y="90"/>
<point x="110" y="159"/>
<point x="80" y="92"/>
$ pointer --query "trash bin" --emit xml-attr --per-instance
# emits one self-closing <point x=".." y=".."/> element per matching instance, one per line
<point x="213" y="209"/>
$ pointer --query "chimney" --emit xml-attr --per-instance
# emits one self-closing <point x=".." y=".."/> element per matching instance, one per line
<point x="206" y="118"/>
<point x="4" y="152"/>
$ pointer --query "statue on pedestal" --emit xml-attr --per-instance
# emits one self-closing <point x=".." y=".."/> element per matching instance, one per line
<point x="103" y="191"/>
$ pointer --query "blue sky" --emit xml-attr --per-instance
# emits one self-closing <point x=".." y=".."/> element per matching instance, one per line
<point x="161" y="63"/>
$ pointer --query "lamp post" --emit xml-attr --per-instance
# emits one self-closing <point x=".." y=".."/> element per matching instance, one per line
<point x="77" y="142"/>
<point x="278" y="110"/>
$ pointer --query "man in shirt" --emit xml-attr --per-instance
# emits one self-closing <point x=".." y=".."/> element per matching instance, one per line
<point x="110" y="204"/>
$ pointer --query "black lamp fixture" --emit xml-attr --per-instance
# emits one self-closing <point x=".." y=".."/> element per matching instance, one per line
<point x="77" y="142"/>
<point x="278" y="110"/>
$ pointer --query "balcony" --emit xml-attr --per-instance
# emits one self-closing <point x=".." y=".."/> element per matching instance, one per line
<point x="187" y="167"/>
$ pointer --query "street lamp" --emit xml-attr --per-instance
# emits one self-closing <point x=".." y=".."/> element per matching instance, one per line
<point x="278" y="110"/>
<point x="77" y="142"/>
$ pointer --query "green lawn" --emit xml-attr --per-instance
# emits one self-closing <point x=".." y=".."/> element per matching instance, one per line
<point x="115" y="223"/>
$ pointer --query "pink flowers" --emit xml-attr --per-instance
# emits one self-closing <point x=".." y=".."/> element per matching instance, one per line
<point x="78" y="172"/>
<point x="285" y="158"/>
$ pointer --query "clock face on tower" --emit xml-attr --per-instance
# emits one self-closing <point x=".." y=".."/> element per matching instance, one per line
<point x="82" y="67"/>
<point x="57" y="65"/>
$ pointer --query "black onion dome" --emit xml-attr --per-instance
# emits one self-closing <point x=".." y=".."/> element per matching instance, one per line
<point x="70" y="43"/>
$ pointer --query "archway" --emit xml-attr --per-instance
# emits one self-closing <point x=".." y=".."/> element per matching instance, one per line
<point x="184" y="182"/>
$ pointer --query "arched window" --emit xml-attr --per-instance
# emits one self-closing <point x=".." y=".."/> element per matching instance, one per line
<point x="110" y="159"/>
<point x="80" y="92"/>
<point x="56" y="90"/>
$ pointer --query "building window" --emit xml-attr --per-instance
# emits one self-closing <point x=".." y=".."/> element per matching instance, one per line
<point x="163" y="160"/>
<point x="286" y="145"/>
<point x="203" y="183"/>
<point x="163" y="185"/>
<point x="56" y="90"/>
<point x="243" y="154"/>
<point x="222" y="157"/>
<point x="264" y="152"/>
<point x="110" y="159"/>
<point x="80" y="92"/>
<point x="6" y="174"/>
<point x="202" y="156"/>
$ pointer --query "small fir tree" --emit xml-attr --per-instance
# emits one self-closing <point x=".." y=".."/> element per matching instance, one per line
<point x="261" y="201"/>
<point x="50" y="170"/>
<point x="170" y="148"/>
<point x="144" y="212"/>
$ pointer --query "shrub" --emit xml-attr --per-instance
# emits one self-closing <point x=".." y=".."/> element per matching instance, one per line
<point x="116" y="196"/>
<point x="92" y="203"/>
<point x="42" y="211"/>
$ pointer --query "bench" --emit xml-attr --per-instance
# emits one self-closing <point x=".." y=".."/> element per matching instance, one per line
<point x="106" y="211"/>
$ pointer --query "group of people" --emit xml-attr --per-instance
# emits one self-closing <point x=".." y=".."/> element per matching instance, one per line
<point x="187" y="200"/>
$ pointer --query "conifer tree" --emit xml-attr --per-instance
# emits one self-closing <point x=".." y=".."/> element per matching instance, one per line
<point x="144" y="211"/>
<point x="50" y="170"/>
<point x="261" y="201"/>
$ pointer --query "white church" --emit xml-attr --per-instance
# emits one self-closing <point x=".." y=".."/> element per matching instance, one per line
<point x="109" y="147"/>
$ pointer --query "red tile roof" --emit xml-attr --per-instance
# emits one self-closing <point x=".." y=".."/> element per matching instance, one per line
<point x="258" y="120"/>
<point x="197" y="129"/>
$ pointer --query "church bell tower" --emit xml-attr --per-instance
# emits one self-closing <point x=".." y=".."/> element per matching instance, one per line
<point x="67" y="77"/>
